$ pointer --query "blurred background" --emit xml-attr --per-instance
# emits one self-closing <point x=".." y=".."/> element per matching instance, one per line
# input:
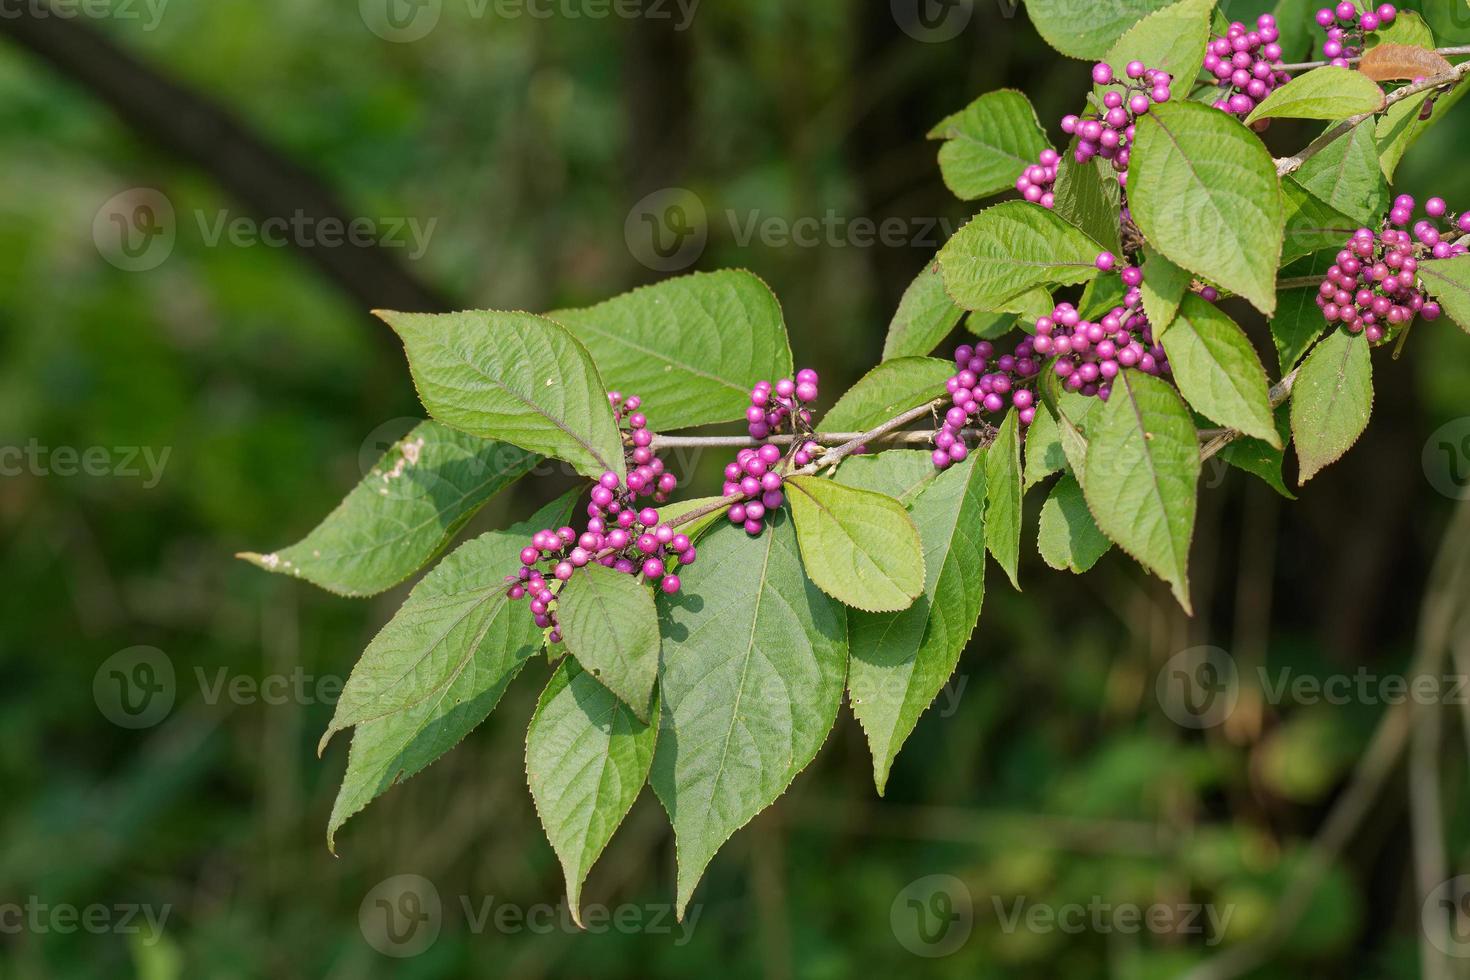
<point x="183" y="380"/>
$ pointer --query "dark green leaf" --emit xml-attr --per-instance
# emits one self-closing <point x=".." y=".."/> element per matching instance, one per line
<point x="1331" y="401"/>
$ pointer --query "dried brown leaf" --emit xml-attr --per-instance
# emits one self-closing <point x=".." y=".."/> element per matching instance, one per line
<point x="1402" y="62"/>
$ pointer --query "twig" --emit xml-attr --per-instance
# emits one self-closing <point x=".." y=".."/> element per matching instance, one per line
<point x="1280" y="392"/>
<point x="1287" y="165"/>
<point x="823" y="438"/>
<point x="1309" y="65"/>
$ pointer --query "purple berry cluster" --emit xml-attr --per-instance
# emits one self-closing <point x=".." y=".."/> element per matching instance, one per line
<point x="772" y="405"/>
<point x="1105" y="133"/>
<point x="1244" y="62"/>
<point x="646" y="474"/>
<point x="755" y="474"/>
<point x="1374" y="285"/>
<point x="1088" y="355"/>
<point x="1346" y="25"/>
<point x="989" y="384"/>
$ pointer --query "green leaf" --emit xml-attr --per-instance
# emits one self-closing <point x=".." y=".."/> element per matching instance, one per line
<point x="901" y="661"/>
<point x="1217" y="370"/>
<point x="1331" y="401"/>
<point x="750" y="683"/>
<point x="587" y="758"/>
<point x="1003" y="497"/>
<point x="1448" y="281"/>
<point x="1173" y="39"/>
<point x="1298" y="320"/>
<point x="403" y="513"/>
<point x="1044" y="454"/>
<point x="1262" y="459"/>
<point x="1143" y="467"/>
<point x="439" y="667"/>
<point x="1322" y="93"/>
<point x="1054" y="439"/>
<point x="902" y="474"/>
<point x="890" y="388"/>
<point x="1088" y="196"/>
<point x="989" y="326"/>
<point x="1298" y="32"/>
<point x="1345" y="175"/>
<point x="1400" y="127"/>
<point x="1100" y="296"/>
<point x="988" y="143"/>
<point x="859" y="547"/>
<point x="1010" y="249"/>
<point x="925" y="316"/>
<point x="1449" y="18"/>
<point x="1087" y="30"/>
<point x="691" y="347"/>
<point x="515" y="377"/>
<point x="1164" y="285"/>
<point x="695" y="528"/>
<point x="609" y="624"/>
<point x="1022" y="310"/>
<point x="1203" y="190"/>
<point x="1311" y="225"/>
<point x="1068" y="538"/>
<point x="1408" y="28"/>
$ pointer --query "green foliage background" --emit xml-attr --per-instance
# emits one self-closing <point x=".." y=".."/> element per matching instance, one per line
<point x="1056" y="776"/>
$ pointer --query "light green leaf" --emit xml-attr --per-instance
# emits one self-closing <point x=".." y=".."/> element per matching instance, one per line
<point x="1331" y="401"/>
<point x="1322" y="93"/>
<point x="695" y="528"/>
<point x="1022" y="310"/>
<point x="1088" y="196"/>
<point x="1143" y="467"/>
<point x="859" y="547"/>
<point x="1164" y="285"/>
<point x="1173" y="39"/>
<point x="925" y="317"/>
<point x="902" y="474"/>
<point x="587" y="758"/>
<point x="1068" y="538"/>
<point x="1101" y="296"/>
<point x="1010" y="249"/>
<point x="1400" y="127"/>
<point x="890" y="388"/>
<point x="1003" y="497"/>
<point x="515" y="377"/>
<point x="1448" y="281"/>
<point x="1311" y="225"/>
<point x="609" y="624"/>
<point x="1298" y="32"/>
<point x="1345" y="175"/>
<point x="750" y="683"/>
<point x="1203" y="190"/>
<point x="691" y="347"/>
<point x="1087" y="30"/>
<point x="901" y="661"/>
<point x="987" y="144"/>
<point x="1409" y="28"/>
<point x="439" y="667"/>
<point x="1217" y="370"/>
<point x="403" y="513"/>
<point x="1047" y="450"/>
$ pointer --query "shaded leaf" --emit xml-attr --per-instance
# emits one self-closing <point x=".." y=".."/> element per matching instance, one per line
<point x="1331" y="401"/>
<point x="925" y="316"/>
<point x="1346" y="176"/>
<point x="609" y="624"/>
<point x="1003" y="496"/>
<point x="1068" y="538"/>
